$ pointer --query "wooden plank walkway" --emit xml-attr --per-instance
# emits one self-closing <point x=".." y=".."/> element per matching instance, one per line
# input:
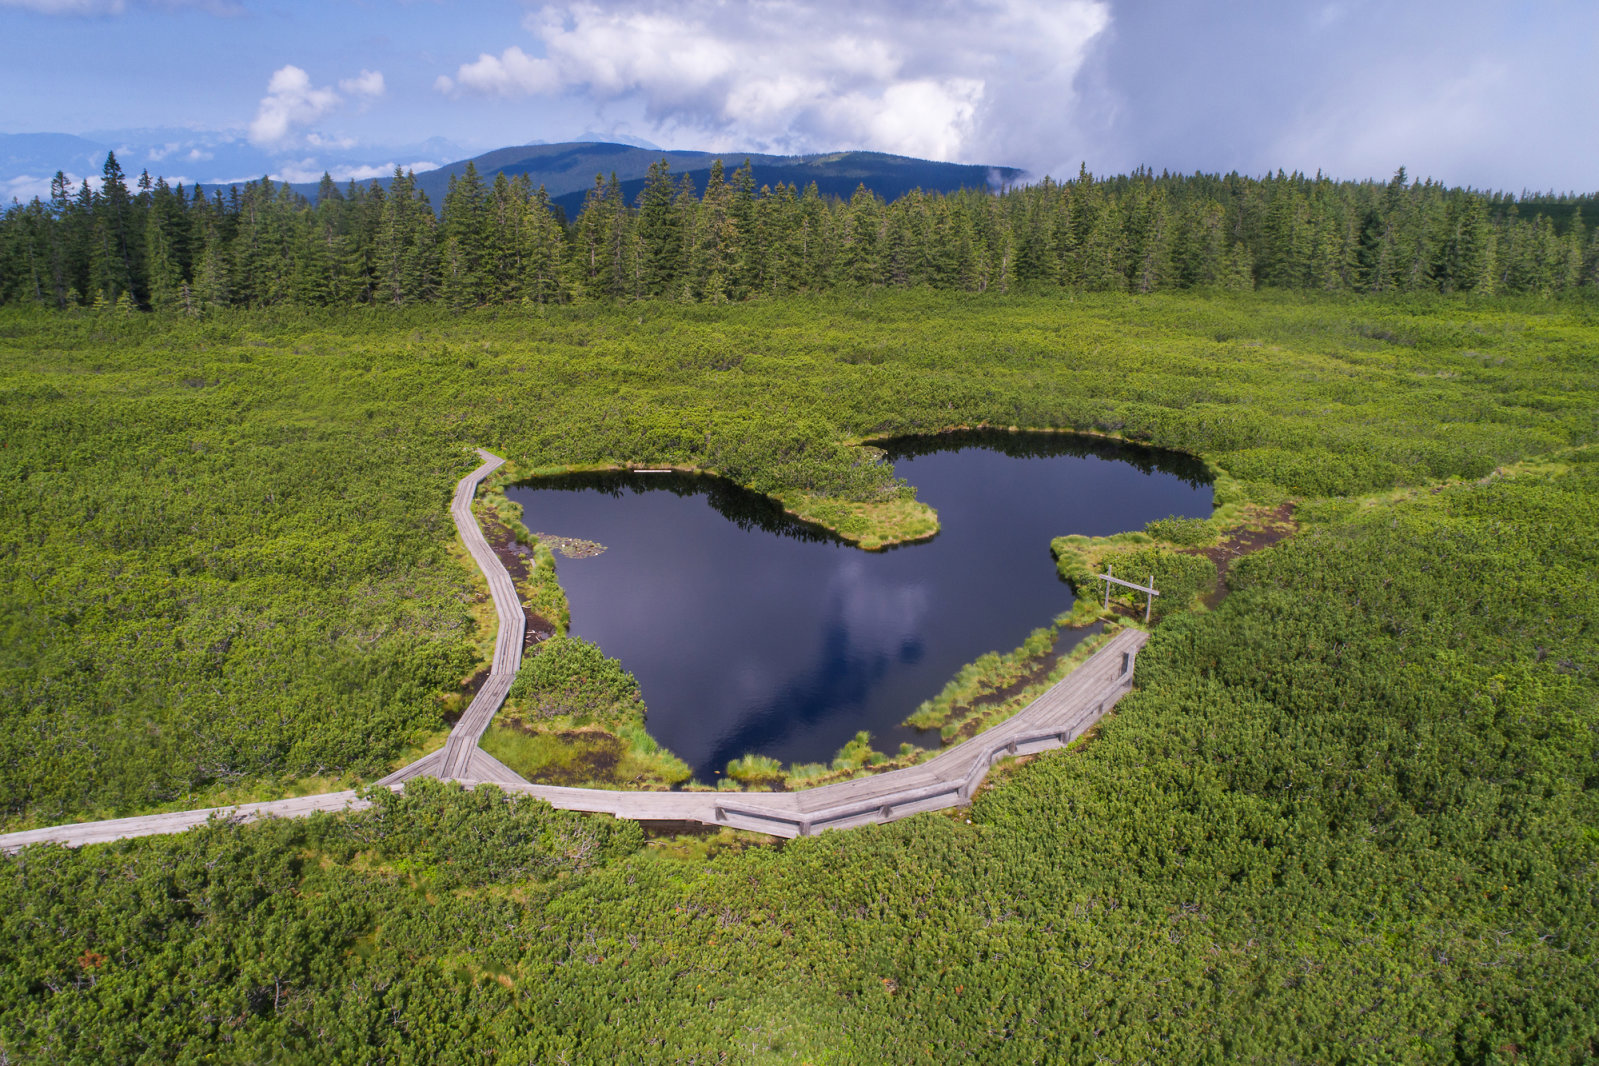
<point x="949" y="779"/>
<point x="454" y="760"/>
<point x="146" y="825"/>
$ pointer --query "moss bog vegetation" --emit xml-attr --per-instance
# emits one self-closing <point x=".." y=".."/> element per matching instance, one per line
<point x="1348" y="815"/>
<point x="575" y="717"/>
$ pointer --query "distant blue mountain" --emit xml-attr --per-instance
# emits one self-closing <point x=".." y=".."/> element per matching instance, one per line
<point x="567" y="171"/>
<point x="214" y="159"/>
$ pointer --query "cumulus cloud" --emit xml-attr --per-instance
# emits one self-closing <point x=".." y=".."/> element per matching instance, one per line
<point x="23" y="188"/>
<point x="316" y="140"/>
<point x="309" y="170"/>
<point x="512" y="73"/>
<point x="368" y="83"/>
<point x="803" y="75"/>
<point x="293" y="101"/>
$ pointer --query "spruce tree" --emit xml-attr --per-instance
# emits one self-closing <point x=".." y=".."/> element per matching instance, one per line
<point x="405" y="254"/>
<point x="750" y="240"/>
<point x="659" y="232"/>
<point x="714" y="241"/>
<point x="904" y="248"/>
<point x="817" y="240"/>
<point x="779" y="231"/>
<point x="1101" y="250"/>
<point x="465" y="252"/>
<point x="543" y="251"/>
<point x="1238" y="268"/>
<point x="24" y="256"/>
<point x="211" y="289"/>
<point x="861" y="253"/>
<point x="1150" y="240"/>
<point x="161" y="267"/>
<point x="111" y="265"/>
<point x="1286" y="238"/>
<point x="594" y="266"/>
<point x="1200" y="244"/>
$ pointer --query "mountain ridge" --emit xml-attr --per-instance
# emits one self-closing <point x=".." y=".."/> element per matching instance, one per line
<point x="568" y="169"/>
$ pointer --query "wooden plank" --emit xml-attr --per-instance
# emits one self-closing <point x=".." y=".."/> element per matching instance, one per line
<point x="484" y="767"/>
<point x="1141" y="588"/>
<point x="179" y="821"/>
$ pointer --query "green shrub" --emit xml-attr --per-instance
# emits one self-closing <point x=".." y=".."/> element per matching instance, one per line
<point x="459" y="837"/>
<point x="1179" y="577"/>
<point x="1185" y="531"/>
<point x="571" y="676"/>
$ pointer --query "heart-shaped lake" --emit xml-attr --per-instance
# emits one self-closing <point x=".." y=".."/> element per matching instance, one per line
<point x="750" y="632"/>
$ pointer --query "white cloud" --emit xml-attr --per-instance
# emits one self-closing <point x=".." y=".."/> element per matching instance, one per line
<point x="308" y="170"/>
<point x="512" y="73"/>
<point x="368" y="83"/>
<point x="804" y="75"/>
<point x="316" y="140"/>
<point x="25" y="187"/>
<point x="292" y="101"/>
<point x="924" y="117"/>
<point x="367" y="173"/>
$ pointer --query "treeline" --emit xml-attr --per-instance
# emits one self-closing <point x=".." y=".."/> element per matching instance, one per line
<point x="164" y="248"/>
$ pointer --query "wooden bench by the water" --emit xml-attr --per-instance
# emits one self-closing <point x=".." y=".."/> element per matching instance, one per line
<point x="949" y="779"/>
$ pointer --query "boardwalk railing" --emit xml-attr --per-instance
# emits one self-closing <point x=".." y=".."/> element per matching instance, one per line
<point x="902" y="793"/>
<point x="904" y="803"/>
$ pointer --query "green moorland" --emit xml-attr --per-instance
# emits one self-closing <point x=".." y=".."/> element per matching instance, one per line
<point x="1350" y="815"/>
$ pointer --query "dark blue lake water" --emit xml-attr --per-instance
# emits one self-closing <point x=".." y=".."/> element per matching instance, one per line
<point x="750" y="632"/>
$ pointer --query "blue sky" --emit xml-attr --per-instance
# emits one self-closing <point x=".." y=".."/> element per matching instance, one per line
<point x="1494" y="95"/>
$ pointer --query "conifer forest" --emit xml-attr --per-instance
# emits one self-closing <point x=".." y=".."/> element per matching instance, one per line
<point x="263" y="245"/>
<point x="1349" y="813"/>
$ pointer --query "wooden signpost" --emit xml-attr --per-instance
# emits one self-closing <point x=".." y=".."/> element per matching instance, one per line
<point x="1148" y="590"/>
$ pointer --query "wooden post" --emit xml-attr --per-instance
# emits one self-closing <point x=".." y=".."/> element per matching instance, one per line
<point x="1109" y="576"/>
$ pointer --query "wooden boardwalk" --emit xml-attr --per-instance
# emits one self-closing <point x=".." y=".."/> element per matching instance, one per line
<point x="146" y="825"/>
<point x="461" y="758"/>
<point x="949" y="779"/>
